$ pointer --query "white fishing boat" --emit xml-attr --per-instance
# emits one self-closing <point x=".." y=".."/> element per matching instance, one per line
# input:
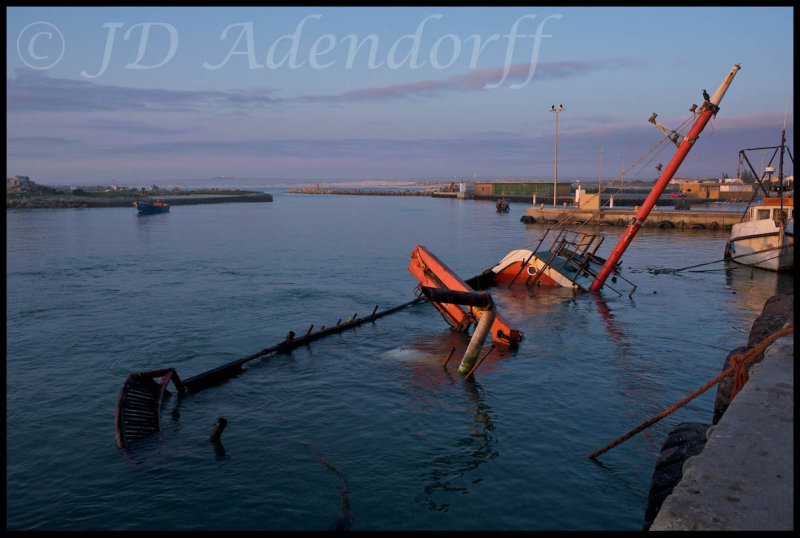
<point x="765" y="237"/>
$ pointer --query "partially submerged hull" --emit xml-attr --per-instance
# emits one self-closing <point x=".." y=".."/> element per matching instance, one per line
<point x="431" y="272"/>
<point x="570" y="262"/>
<point x="523" y="266"/>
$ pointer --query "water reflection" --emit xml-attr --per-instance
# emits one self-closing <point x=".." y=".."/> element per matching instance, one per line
<point x="611" y="325"/>
<point x="751" y="287"/>
<point x="147" y="453"/>
<point x="445" y="472"/>
<point x="427" y="356"/>
<point x="634" y="379"/>
<point x="434" y="385"/>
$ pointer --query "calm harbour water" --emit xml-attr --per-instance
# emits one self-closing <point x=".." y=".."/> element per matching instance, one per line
<point x="96" y="294"/>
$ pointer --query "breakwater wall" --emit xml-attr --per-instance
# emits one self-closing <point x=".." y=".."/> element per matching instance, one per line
<point x="698" y="219"/>
<point x="54" y="202"/>
<point x="626" y="200"/>
<point x="363" y="192"/>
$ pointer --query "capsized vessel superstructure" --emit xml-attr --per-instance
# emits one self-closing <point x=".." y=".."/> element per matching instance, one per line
<point x="572" y="261"/>
<point x="430" y="271"/>
<point x="569" y="260"/>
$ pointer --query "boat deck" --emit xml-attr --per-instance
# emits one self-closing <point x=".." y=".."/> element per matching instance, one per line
<point x="563" y="266"/>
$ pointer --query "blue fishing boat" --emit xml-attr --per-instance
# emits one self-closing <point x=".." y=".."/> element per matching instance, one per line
<point x="147" y="206"/>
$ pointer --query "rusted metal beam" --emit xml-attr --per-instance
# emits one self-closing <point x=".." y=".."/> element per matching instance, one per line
<point x="139" y="400"/>
<point x="226" y="371"/>
<point x="480" y="299"/>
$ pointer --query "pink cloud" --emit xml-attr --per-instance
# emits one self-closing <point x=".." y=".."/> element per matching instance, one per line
<point x="478" y="80"/>
<point x="395" y="89"/>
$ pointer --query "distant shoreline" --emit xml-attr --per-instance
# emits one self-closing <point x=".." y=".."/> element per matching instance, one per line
<point x="67" y="201"/>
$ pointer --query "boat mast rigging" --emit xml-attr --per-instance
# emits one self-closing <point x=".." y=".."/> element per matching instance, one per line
<point x="706" y="111"/>
<point x="760" y="179"/>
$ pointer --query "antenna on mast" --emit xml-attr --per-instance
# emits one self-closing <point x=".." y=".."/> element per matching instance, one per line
<point x="786" y="114"/>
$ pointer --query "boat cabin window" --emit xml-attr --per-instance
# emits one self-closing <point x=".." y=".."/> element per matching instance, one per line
<point x="773" y="213"/>
<point x="762" y="214"/>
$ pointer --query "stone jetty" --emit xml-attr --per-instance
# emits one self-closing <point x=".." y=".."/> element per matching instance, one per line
<point x="743" y="478"/>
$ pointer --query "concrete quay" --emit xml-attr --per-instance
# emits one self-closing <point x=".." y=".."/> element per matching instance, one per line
<point x="361" y="192"/>
<point x="712" y="220"/>
<point x="743" y="479"/>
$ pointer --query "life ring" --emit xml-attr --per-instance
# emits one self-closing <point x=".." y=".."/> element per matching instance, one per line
<point x="666" y="224"/>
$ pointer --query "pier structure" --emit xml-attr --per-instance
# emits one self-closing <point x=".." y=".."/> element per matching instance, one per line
<point x="743" y="478"/>
<point x="712" y="220"/>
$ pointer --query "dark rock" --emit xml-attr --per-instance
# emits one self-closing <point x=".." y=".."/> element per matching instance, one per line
<point x="780" y="305"/>
<point x="764" y="326"/>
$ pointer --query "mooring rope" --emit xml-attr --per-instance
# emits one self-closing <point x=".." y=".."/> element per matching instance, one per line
<point x="345" y="516"/>
<point x="739" y="363"/>
<point x="668" y="270"/>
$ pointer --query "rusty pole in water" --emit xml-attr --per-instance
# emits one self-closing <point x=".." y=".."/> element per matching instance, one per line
<point x="478" y="337"/>
<point x="481" y="300"/>
<point x="708" y="109"/>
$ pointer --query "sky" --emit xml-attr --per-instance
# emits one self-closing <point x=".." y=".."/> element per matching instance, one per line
<point x="141" y="95"/>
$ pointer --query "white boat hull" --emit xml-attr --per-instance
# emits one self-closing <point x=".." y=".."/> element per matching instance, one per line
<point x="508" y="270"/>
<point x="760" y="243"/>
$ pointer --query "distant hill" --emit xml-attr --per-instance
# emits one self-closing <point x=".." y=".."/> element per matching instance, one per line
<point x="24" y="185"/>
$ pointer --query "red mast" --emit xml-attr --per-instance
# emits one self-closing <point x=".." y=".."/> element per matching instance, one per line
<point x="708" y="109"/>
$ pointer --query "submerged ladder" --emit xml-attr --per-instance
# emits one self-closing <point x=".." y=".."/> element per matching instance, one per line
<point x="139" y="404"/>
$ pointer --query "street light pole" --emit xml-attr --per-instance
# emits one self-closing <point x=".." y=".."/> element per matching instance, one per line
<point x="555" y="173"/>
<point x="600" y="176"/>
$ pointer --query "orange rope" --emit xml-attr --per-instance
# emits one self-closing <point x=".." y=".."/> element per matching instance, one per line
<point x="739" y="374"/>
<point x="739" y="364"/>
